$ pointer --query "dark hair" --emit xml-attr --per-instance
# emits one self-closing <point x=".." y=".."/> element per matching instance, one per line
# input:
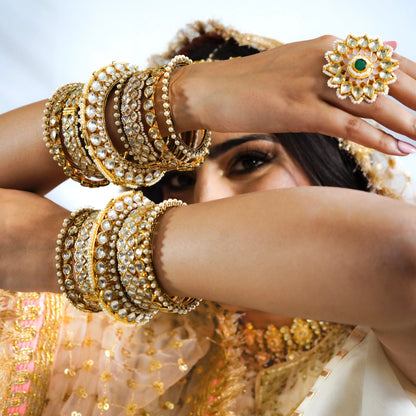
<point x="320" y="156"/>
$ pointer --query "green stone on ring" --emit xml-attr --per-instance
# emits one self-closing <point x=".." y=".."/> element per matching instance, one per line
<point x="360" y="65"/>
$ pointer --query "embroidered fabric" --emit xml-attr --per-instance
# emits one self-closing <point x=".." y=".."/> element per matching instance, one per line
<point x="176" y="365"/>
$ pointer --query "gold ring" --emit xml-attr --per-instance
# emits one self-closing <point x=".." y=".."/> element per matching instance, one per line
<point x="360" y="68"/>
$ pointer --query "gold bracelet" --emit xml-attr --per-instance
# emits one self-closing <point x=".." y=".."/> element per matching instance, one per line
<point x="108" y="160"/>
<point x="82" y="280"/>
<point x="74" y="144"/>
<point x="189" y="156"/>
<point x="65" y="255"/>
<point x="135" y="264"/>
<point x="102" y="261"/>
<point x="139" y="148"/>
<point x="66" y="96"/>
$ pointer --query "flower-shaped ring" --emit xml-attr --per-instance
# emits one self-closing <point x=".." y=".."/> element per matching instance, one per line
<point x="360" y="68"/>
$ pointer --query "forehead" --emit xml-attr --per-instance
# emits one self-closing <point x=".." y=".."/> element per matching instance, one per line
<point x="218" y="138"/>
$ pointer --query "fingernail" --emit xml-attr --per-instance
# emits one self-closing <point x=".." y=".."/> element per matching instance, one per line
<point x="391" y="43"/>
<point x="405" y="147"/>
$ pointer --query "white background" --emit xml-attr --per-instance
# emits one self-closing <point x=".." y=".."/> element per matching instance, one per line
<point x="47" y="43"/>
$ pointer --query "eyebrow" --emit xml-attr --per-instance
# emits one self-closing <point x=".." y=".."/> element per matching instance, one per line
<point x="221" y="148"/>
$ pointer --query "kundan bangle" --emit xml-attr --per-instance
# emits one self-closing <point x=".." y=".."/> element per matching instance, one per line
<point x="188" y="154"/>
<point x="102" y="262"/>
<point x="60" y="120"/>
<point x="92" y="113"/>
<point x="135" y="263"/>
<point x="65" y="260"/>
<point x="87" y="154"/>
<point x="131" y="124"/>
<point x="82" y="280"/>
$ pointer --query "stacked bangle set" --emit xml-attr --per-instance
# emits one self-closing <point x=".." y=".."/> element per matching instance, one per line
<point x="104" y="258"/>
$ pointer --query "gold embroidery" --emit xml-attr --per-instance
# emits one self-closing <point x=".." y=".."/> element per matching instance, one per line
<point x="325" y="373"/>
<point x="168" y="405"/>
<point x="182" y="365"/>
<point x="81" y="392"/>
<point x="106" y="376"/>
<point x="159" y="387"/>
<point x="69" y="372"/>
<point x="280" y="388"/>
<point x="88" y="365"/>
<point x="131" y="384"/>
<point x="217" y="388"/>
<point x="42" y="355"/>
<point x="103" y="404"/>
<point x="155" y="365"/>
<point x="131" y="409"/>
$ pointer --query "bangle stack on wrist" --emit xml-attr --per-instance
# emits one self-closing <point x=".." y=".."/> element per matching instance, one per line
<point x="68" y="258"/>
<point x="76" y="128"/>
<point x="60" y="122"/>
<point x="182" y="151"/>
<point x="104" y="260"/>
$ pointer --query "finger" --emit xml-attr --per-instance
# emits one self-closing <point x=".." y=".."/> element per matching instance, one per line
<point x="338" y="123"/>
<point x="386" y="112"/>
<point x="406" y="65"/>
<point x="404" y="89"/>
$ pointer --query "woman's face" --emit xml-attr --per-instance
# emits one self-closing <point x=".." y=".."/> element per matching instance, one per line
<point x="237" y="164"/>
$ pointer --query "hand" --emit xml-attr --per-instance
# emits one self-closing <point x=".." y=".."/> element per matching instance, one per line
<point x="29" y="225"/>
<point x="284" y="90"/>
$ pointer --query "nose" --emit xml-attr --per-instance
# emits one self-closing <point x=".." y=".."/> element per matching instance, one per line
<point x="210" y="184"/>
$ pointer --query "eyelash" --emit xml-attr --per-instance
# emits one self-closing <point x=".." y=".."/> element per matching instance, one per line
<point x="260" y="158"/>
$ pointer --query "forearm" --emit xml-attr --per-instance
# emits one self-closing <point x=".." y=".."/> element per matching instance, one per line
<point x="299" y="252"/>
<point x="25" y="162"/>
<point x="29" y="225"/>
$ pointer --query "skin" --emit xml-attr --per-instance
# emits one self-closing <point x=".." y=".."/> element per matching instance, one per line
<point x="357" y="258"/>
<point x="287" y="97"/>
<point x="238" y="164"/>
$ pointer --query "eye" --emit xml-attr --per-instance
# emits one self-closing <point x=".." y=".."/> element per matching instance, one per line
<point x="249" y="161"/>
<point x="178" y="181"/>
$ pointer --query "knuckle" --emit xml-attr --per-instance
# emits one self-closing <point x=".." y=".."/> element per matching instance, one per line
<point x="384" y="142"/>
<point x="413" y="127"/>
<point x="352" y="127"/>
<point x="327" y="40"/>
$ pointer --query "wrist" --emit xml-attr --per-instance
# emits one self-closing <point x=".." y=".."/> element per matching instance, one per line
<point x="187" y="91"/>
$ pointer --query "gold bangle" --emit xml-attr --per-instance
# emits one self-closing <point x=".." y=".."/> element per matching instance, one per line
<point x="139" y="147"/>
<point x="64" y="258"/>
<point x="102" y="261"/>
<point x="66" y="96"/>
<point x="189" y="156"/>
<point x="82" y="280"/>
<point x="111" y="164"/>
<point x="74" y="144"/>
<point x="135" y="263"/>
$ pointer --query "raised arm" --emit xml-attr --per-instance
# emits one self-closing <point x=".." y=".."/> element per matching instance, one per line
<point x="284" y="90"/>
<point x="300" y="252"/>
<point x="24" y="160"/>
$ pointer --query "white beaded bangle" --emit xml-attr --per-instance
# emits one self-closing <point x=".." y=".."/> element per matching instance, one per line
<point x="135" y="263"/>
<point x="112" y="165"/>
<point x="139" y="147"/>
<point x="102" y="260"/>
<point x="65" y="260"/>
<point x="65" y="97"/>
<point x="184" y="152"/>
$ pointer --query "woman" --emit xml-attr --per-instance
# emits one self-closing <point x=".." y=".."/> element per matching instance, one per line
<point x="286" y="252"/>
